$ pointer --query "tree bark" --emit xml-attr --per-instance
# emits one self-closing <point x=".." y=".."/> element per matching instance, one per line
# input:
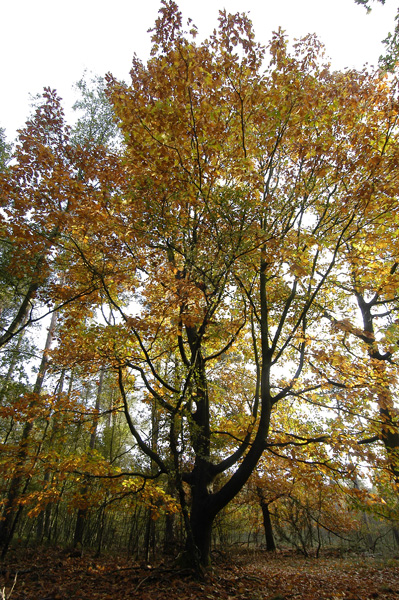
<point x="267" y="524"/>
<point x="201" y="526"/>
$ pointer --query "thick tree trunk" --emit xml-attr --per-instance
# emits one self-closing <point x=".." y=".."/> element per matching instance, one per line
<point x="201" y="509"/>
<point x="198" y="547"/>
<point x="206" y="504"/>
<point x="201" y="528"/>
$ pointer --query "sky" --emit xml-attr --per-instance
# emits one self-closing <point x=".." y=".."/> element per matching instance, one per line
<point x="52" y="42"/>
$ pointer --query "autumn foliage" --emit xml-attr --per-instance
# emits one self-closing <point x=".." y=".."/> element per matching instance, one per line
<point x="223" y="283"/>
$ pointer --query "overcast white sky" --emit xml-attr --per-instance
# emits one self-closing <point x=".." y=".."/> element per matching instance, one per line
<point x="52" y="42"/>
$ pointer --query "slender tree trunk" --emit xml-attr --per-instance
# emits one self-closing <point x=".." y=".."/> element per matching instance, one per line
<point x="13" y="363"/>
<point x="395" y="532"/>
<point x="149" y="537"/>
<point x="9" y="516"/>
<point x="101" y="526"/>
<point x="83" y="512"/>
<point x="267" y="524"/>
<point x="169" y="541"/>
<point x="43" y="518"/>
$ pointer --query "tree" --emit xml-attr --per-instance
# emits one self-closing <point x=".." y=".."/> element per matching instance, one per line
<point x="44" y="192"/>
<point x="5" y="150"/>
<point x="96" y="124"/>
<point x="243" y="186"/>
<point x="390" y="59"/>
<point x="307" y="488"/>
<point x="363" y="367"/>
<point x="44" y="195"/>
<point x="202" y="264"/>
<point x="11" y="512"/>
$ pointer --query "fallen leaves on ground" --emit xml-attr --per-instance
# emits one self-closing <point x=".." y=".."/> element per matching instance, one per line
<point x="59" y="575"/>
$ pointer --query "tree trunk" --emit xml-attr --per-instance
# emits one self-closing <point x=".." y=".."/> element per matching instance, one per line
<point x="43" y="518"/>
<point x="83" y="512"/>
<point x="10" y="516"/>
<point x="13" y="363"/>
<point x="149" y="536"/>
<point x="169" y="542"/>
<point x="206" y="504"/>
<point x="267" y="524"/>
<point x="201" y="528"/>
<point x="389" y="433"/>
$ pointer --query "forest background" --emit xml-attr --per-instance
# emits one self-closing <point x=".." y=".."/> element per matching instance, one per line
<point x="214" y="247"/>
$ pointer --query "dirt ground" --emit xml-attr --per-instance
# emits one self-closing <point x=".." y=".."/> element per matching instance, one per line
<point x="59" y="575"/>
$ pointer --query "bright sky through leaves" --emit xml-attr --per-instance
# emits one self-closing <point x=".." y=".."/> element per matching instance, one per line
<point x="47" y="43"/>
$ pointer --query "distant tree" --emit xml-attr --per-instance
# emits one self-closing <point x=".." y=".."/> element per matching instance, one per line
<point x="367" y="3"/>
<point x="5" y="150"/>
<point x="96" y="124"/>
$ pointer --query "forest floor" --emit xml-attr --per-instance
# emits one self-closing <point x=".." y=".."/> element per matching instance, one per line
<point x="58" y="575"/>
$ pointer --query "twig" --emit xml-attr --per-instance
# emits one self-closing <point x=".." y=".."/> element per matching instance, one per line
<point x="142" y="581"/>
<point x="4" y="595"/>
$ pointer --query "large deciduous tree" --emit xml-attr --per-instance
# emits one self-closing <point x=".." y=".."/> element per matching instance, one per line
<point x="244" y="184"/>
<point x="202" y="267"/>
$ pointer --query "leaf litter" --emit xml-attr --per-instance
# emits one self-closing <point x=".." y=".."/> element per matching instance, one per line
<point x="59" y="575"/>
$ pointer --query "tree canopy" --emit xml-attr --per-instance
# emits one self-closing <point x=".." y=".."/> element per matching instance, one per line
<point x="227" y="273"/>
